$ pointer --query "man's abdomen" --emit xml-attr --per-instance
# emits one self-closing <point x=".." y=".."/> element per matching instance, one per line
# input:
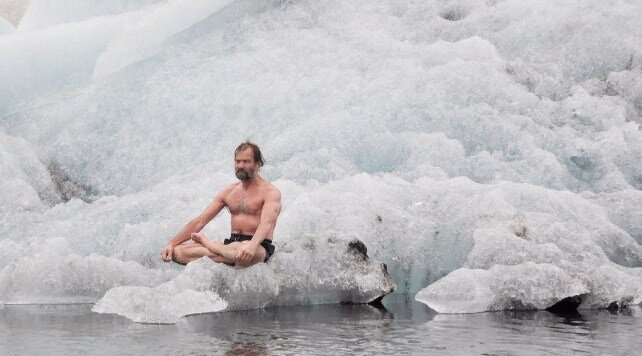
<point x="245" y="224"/>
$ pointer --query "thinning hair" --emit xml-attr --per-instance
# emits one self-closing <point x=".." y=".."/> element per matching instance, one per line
<point x="258" y="157"/>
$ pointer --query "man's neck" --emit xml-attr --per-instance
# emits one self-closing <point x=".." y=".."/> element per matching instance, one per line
<point x="254" y="181"/>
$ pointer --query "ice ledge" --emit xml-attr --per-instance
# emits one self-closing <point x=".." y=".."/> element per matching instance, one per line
<point x="533" y="286"/>
<point x="302" y="271"/>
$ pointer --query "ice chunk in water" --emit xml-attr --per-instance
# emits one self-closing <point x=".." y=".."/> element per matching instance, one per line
<point x="525" y="286"/>
<point x="302" y="271"/>
<point x="561" y="246"/>
<point x="147" y="305"/>
<point x="531" y="286"/>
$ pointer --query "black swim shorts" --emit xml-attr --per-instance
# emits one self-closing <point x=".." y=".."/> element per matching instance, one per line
<point x="267" y="244"/>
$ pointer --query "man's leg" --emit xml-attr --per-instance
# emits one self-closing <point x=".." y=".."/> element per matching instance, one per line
<point x="188" y="252"/>
<point x="259" y="255"/>
<point x="229" y="252"/>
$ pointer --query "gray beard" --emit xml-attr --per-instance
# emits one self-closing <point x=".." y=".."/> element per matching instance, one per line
<point x="243" y="175"/>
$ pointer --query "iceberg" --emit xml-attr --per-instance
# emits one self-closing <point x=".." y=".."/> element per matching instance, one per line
<point x="487" y="152"/>
<point x="304" y="271"/>
<point x="146" y="305"/>
<point x="532" y="286"/>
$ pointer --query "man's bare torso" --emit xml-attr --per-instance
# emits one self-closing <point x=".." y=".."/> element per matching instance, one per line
<point x="245" y="204"/>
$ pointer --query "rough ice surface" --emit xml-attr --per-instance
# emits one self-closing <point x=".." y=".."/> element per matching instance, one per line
<point x="489" y="152"/>
<point x="305" y="271"/>
<point x="45" y="278"/>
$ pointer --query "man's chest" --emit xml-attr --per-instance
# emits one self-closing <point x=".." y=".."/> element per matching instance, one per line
<point x="245" y="202"/>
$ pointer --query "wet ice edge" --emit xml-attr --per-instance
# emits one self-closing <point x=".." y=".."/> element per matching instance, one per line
<point x="304" y="271"/>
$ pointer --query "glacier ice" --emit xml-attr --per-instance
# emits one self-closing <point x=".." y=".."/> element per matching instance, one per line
<point x="5" y="26"/>
<point x="141" y="40"/>
<point x="304" y="271"/>
<point x="25" y="181"/>
<point x="36" y="63"/>
<point x="13" y="10"/>
<point x="41" y="14"/>
<point x="54" y="278"/>
<point x="491" y="144"/>
<point x="531" y="286"/>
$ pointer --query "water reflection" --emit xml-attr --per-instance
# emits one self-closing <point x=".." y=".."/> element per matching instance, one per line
<point x="587" y="331"/>
<point x="336" y="327"/>
<point x="248" y="348"/>
<point x="400" y="326"/>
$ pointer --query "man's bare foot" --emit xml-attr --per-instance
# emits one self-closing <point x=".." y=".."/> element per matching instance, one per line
<point x="203" y="240"/>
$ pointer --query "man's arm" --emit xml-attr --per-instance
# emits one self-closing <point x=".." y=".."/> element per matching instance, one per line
<point x="269" y="214"/>
<point x="196" y="225"/>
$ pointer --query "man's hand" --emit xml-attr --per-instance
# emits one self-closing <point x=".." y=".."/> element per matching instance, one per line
<point x="166" y="254"/>
<point x="247" y="251"/>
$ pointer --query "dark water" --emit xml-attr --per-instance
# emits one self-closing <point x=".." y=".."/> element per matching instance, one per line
<point x="404" y="327"/>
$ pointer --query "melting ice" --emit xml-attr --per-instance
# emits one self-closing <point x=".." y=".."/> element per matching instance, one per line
<point x="488" y="152"/>
<point x="306" y="271"/>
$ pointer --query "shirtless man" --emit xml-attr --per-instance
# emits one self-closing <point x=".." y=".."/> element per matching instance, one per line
<point x="254" y="204"/>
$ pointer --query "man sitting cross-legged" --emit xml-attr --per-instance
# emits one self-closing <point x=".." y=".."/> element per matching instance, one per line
<point x="254" y="204"/>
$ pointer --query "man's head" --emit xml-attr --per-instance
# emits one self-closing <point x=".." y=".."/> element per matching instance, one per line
<point x="247" y="160"/>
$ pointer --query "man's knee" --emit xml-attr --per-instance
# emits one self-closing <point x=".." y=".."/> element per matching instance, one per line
<point x="178" y="255"/>
<point x="177" y="251"/>
<point x="259" y="256"/>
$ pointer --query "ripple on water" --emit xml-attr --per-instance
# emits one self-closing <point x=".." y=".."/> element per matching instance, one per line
<point x="405" y="326"/>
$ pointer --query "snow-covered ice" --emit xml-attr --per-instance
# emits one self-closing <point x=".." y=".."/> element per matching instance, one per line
<point x="488" y="152"/>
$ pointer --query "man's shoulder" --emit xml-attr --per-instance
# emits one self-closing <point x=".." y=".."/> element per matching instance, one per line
<point x="269" y="186"/>
<point x="272" y="191"/>
<point x="227" y="189"/>
<point x="230" y="187"/>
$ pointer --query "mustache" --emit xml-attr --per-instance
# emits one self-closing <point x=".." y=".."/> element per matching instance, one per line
<point x="243" y="174"/>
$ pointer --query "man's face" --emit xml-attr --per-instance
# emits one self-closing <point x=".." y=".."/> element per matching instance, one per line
<point x="244" y="164"/>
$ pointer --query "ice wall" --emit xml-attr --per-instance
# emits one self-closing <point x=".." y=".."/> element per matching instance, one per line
<point x="62" y="44"/>
<point x="41" y="14"/>
<point x="484" y="141"/>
